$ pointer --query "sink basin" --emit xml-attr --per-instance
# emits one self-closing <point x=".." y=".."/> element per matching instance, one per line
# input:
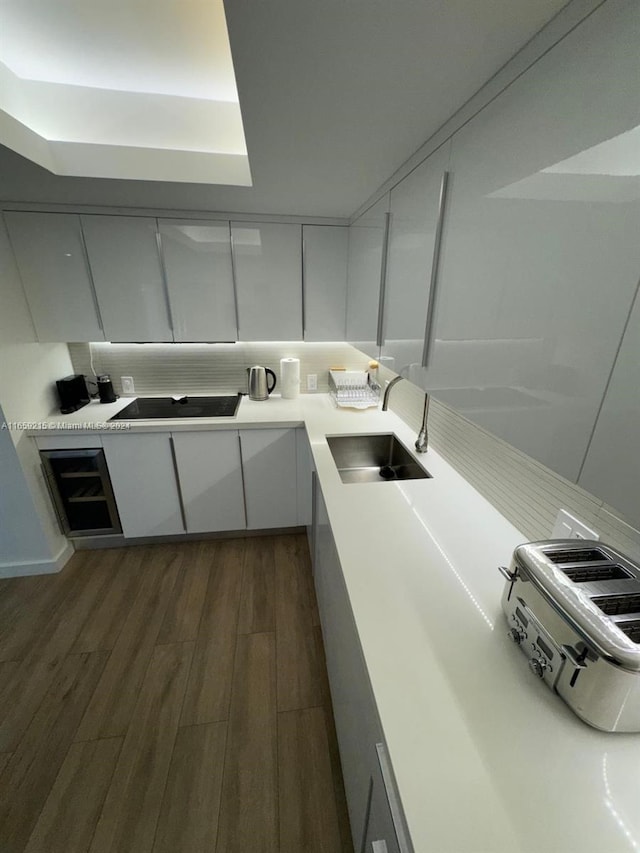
<point x="374" y="458"/>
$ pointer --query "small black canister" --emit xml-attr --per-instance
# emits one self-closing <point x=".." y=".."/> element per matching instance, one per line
<point x="105" y="389"/>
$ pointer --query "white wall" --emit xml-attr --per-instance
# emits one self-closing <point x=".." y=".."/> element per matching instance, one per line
<point x="27" y="392"/>
<point x="24" y="548"/>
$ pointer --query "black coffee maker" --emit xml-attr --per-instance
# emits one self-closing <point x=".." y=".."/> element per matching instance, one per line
<point x="105" y="389"/>
<point x="73" y="393"/>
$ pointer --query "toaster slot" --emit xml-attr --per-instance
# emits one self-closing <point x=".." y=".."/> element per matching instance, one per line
<point x="588" y="574"/>
<point x="617" y="605"/>
<point x="576" y="555"/>
<point x="631" y="628"/>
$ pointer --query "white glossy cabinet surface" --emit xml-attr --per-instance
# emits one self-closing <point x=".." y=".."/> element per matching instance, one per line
<point x="612" y="465"/>
<point x="15" y="320"/>
<point x="268" y="270"/>
<point x="144" y="483"/>
<point x="210" y="475"/>
<point x="366" y="243"/>
<point x="51" y="258"/>
<point x="197" y="260"/>
<point x="541" y="249"/>
<point x="127" y="273"/>
<point x="414" y="206"/>
<point x="305" y="467"/>
<point x="269" y="467"/>
<point x="325" y="255"/>
<point x="351" y="697"/>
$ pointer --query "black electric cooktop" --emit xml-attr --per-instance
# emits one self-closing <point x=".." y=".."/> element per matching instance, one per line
<point x="147" y="408"/>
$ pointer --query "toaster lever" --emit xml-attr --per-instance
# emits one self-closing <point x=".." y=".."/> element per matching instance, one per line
<point x="577" y="660"/>
<point x="506" y="574"/>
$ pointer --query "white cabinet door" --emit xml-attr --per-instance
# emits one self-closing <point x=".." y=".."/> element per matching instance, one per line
<point x="612" y="466"/>
<point x="197" y="260"/>
<point x="269" y="467"/>
<point x="325" y="254"/>
<point x="366" y="245"/>
<point x="353" y="705"/>
<point x="305" y="468"/>
<point x="541" y="256"/>
<point x="127" y="273"/>
<point x="414" y="206"/>
<point x="16" y="324"/>
<point x="210" y="474"/>
<point x="143" y="477"/>
<point x="268" y="269"/>
<point x="51" y="257"/>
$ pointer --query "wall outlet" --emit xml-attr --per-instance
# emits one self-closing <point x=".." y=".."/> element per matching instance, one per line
<point x="127" y="385"/>
<point x="567" y="526"/>
<point x="312" y="381"/>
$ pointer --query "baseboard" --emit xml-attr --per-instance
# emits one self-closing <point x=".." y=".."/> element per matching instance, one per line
<point x="94" y="543"/>
<point x="39" y="567"/>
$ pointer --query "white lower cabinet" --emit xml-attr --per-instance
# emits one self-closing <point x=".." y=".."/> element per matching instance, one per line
<point x="209" y="481"/>
<point x="354" y="707"/>
<point x="143" y="478"/>
<point x="210" y="478"/>
<point x="270" y="477"/>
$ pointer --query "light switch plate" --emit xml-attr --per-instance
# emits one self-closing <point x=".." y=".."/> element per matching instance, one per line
<point x="127" y="385"/>
<point x="567" y="526"/>
<point x="312" y="381"/>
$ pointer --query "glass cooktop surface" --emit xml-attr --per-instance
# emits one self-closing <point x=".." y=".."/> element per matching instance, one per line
<point x="148" y="408"/>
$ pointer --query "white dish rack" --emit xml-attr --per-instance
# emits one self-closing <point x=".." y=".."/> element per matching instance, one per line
<point x="350" y="389"/>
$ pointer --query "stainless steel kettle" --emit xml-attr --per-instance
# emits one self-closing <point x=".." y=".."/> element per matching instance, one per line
<point x="259" y="389"/>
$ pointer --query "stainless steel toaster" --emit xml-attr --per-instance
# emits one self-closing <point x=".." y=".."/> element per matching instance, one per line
<point x="573" y="608"/>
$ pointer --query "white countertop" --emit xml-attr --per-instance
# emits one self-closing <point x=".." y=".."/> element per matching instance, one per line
<point x="486" y="758"/>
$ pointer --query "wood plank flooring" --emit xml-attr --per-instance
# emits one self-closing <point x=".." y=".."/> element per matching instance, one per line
<point x="169" y="699"/>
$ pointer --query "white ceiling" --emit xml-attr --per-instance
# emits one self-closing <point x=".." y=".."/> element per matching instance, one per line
<point x="335" y="94"/>
<point x="122" y="90"/>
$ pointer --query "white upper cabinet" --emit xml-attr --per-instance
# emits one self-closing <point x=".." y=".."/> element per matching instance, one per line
<point x="414" y="208"/>
<point x="325" y="252"/>
<point x="541" y="249"/>
<point x="197" y="261"/>
<point x="268" y="265"/>
<point x="51" y="257"/>
<point x="16" y="324"/>
<point x="612" y="466"/>
<point x="366" y="248"/>
<point x="127" y="273"/>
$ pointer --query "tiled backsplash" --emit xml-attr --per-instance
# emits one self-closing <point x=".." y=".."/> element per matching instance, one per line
<point x="523" y="490"/>
<point x="201" y="368"/>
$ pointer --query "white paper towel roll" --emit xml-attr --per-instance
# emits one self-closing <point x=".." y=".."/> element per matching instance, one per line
<point x="289" y="378"/>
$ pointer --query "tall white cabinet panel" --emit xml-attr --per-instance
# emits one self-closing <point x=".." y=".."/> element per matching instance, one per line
<point x="268" y="269"/>
<point x="210" y="475"/>
<point x="128" y="277"/>
<point x="52" y="261"/>
<point x="541" y="255"/>
<point x="197" y="260"/>
<point x="16" y="324"/>
<point x="366" y="244"/>
<point x="143" y="477"/>
<point x="612" y="466"/>
<point x="414" y="206"/>
<point x="269" y="467"/>
<point x="325" y="255"/>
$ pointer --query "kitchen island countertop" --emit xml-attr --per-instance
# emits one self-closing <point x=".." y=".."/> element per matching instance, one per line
<point x="485" y="757"/>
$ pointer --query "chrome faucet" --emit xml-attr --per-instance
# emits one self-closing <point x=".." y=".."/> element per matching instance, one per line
<point x="422" y="441"/>
<point x="387" y="391"/>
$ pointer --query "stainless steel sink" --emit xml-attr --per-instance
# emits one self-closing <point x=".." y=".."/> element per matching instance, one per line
<point x="374" y="458"/>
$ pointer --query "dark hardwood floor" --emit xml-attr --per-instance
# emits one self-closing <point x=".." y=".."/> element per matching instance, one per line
<point x="169" y="699"/>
